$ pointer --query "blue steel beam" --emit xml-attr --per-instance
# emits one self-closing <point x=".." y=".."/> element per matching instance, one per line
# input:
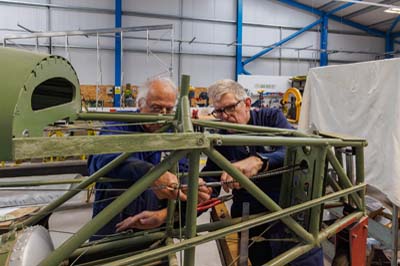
<point x="118" y="54"/>
<point x="390" y="39"/>
<point x="302" y="7"/>
<point x="333" y="11"/>
<point x="323" y="58"/>
<point x="333" y="17"/>
<point x="277" y="44"/>
<point x="394" y="24"/>
<point x="239" y="31"/>
<point x="389" y="45"/>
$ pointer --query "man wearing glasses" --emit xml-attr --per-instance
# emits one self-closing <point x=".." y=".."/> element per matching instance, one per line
<point x="158" y="96"/>
<point x="232" y="105"/>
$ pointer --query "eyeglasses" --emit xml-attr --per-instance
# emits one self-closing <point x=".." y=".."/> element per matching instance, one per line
<point x="228" y="110"/>
<point x="161" y="109"/>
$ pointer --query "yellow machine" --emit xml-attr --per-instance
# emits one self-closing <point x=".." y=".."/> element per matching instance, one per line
<point x="293" y="112"/>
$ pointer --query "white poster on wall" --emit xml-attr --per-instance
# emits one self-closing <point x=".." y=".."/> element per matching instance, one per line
<point x="271" y="88"/>
<point x="254" y="83"/>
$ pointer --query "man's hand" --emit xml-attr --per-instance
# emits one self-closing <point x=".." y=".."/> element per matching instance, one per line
<point x="204" y="192"/>
<point x="249" y="167"/>
<point x="170" y="192"/>
<point x="143" y="220"/>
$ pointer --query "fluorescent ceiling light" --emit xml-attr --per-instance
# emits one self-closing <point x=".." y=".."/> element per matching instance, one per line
<point x="392" y="7"/>
<point x="393" y="10"/>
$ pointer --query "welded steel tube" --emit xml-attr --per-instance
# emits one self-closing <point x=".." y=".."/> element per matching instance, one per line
<point x="228" y="140"/>
<point x="132" y="242"/>
<point x="191" y="205"/>
<point x="161" y="252"/>
<point x="257" y="193"/>
<point x="111" y="210"/>
<point x="132" y="117"/>
<point x="249" y="128"/>
<point x="360" y="174"/>
<point x="93" y="178"/>
<point x="344" y="180"/>
<point x="33" y="183"/>
<point x="290" y="255"/>
<point x="186" y="122"/>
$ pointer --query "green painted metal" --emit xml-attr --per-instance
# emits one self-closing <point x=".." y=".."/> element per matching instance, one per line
<point x="138" y="239"/>
<point x="172" y="259"/>
<point x="185" y="84"/>
<point x="84" y="184"/>
<point x="72" y="146"/>
<point x="305" y="185"/>
<point x="33" y="183"/>
<point x="191" y="211"/>
<point x="186" y="122"/>
<point x="249" y="128"/>
<point x="257" y="193"/>
<point x="339" y="155"/>
<point x="184" y="105"/>
<point x="160" y="252"/>
<point x="360" y="175"/>
<point x="343" y="178"/>
<point x="7" y="243"/>
<point x="290" y="255"/>
<point x="130" y="117"/>
<point x="110" y="211"/>
<point x="232" y="140"/>
<point x="37" y="90"/>
<point x="317" y="190"/>
<point x="341" y="224"/>
<point x="302" y="203"/>
<point x="113" y="247"/>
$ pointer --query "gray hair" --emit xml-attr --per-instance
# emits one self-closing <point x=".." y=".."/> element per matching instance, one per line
<point x="144" y="89"/>
<point x="221" y="87"/>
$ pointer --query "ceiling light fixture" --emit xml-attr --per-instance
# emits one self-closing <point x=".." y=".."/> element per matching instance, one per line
<point x="390" y="8"/>
<point x="393" y="10"/>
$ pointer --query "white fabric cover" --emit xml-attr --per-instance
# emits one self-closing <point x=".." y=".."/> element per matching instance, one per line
<point x="360" y="100"/>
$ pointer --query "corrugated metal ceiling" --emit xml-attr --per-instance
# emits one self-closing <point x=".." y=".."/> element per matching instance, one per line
<point x="368" y="15"/>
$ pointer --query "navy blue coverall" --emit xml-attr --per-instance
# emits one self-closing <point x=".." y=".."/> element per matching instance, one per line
<point x="261" y="252"/>
<point x="132" y="169"/>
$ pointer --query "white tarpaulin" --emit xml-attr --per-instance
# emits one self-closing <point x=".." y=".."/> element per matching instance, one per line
<point x="361" y="100"/>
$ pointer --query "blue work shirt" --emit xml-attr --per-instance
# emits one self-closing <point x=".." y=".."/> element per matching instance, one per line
<point x="267" y="117"/>
<point x="132" y="169"/>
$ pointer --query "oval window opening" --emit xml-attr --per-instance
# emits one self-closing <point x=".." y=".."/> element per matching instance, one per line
<point x="52" y="92"/>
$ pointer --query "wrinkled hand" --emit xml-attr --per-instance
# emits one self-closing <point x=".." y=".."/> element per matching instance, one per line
<point x="249" y="167"/>
<point x="143" y="220"/>
<point x="204" y="192"/>
<point x="170" y="192"/>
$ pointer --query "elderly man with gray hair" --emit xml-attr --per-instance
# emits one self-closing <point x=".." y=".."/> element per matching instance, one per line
<point x="231" y="104"/>
<point x="158" y="96"/>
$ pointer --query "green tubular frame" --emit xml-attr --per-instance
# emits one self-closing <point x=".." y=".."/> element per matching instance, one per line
<point x="185" y="142"/>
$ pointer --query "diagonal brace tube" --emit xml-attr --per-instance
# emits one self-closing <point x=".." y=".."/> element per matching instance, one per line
<point x="63" y="252"/>
<point x="155" y="254"/>
<point x="290" y="37"/>
<point x="93" y="178"/>
<point x="223" y="163"/>
<point x="343" y="177"/>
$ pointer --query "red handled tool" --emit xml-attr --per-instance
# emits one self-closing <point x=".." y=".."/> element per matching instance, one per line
<point x="212" y="202"/>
